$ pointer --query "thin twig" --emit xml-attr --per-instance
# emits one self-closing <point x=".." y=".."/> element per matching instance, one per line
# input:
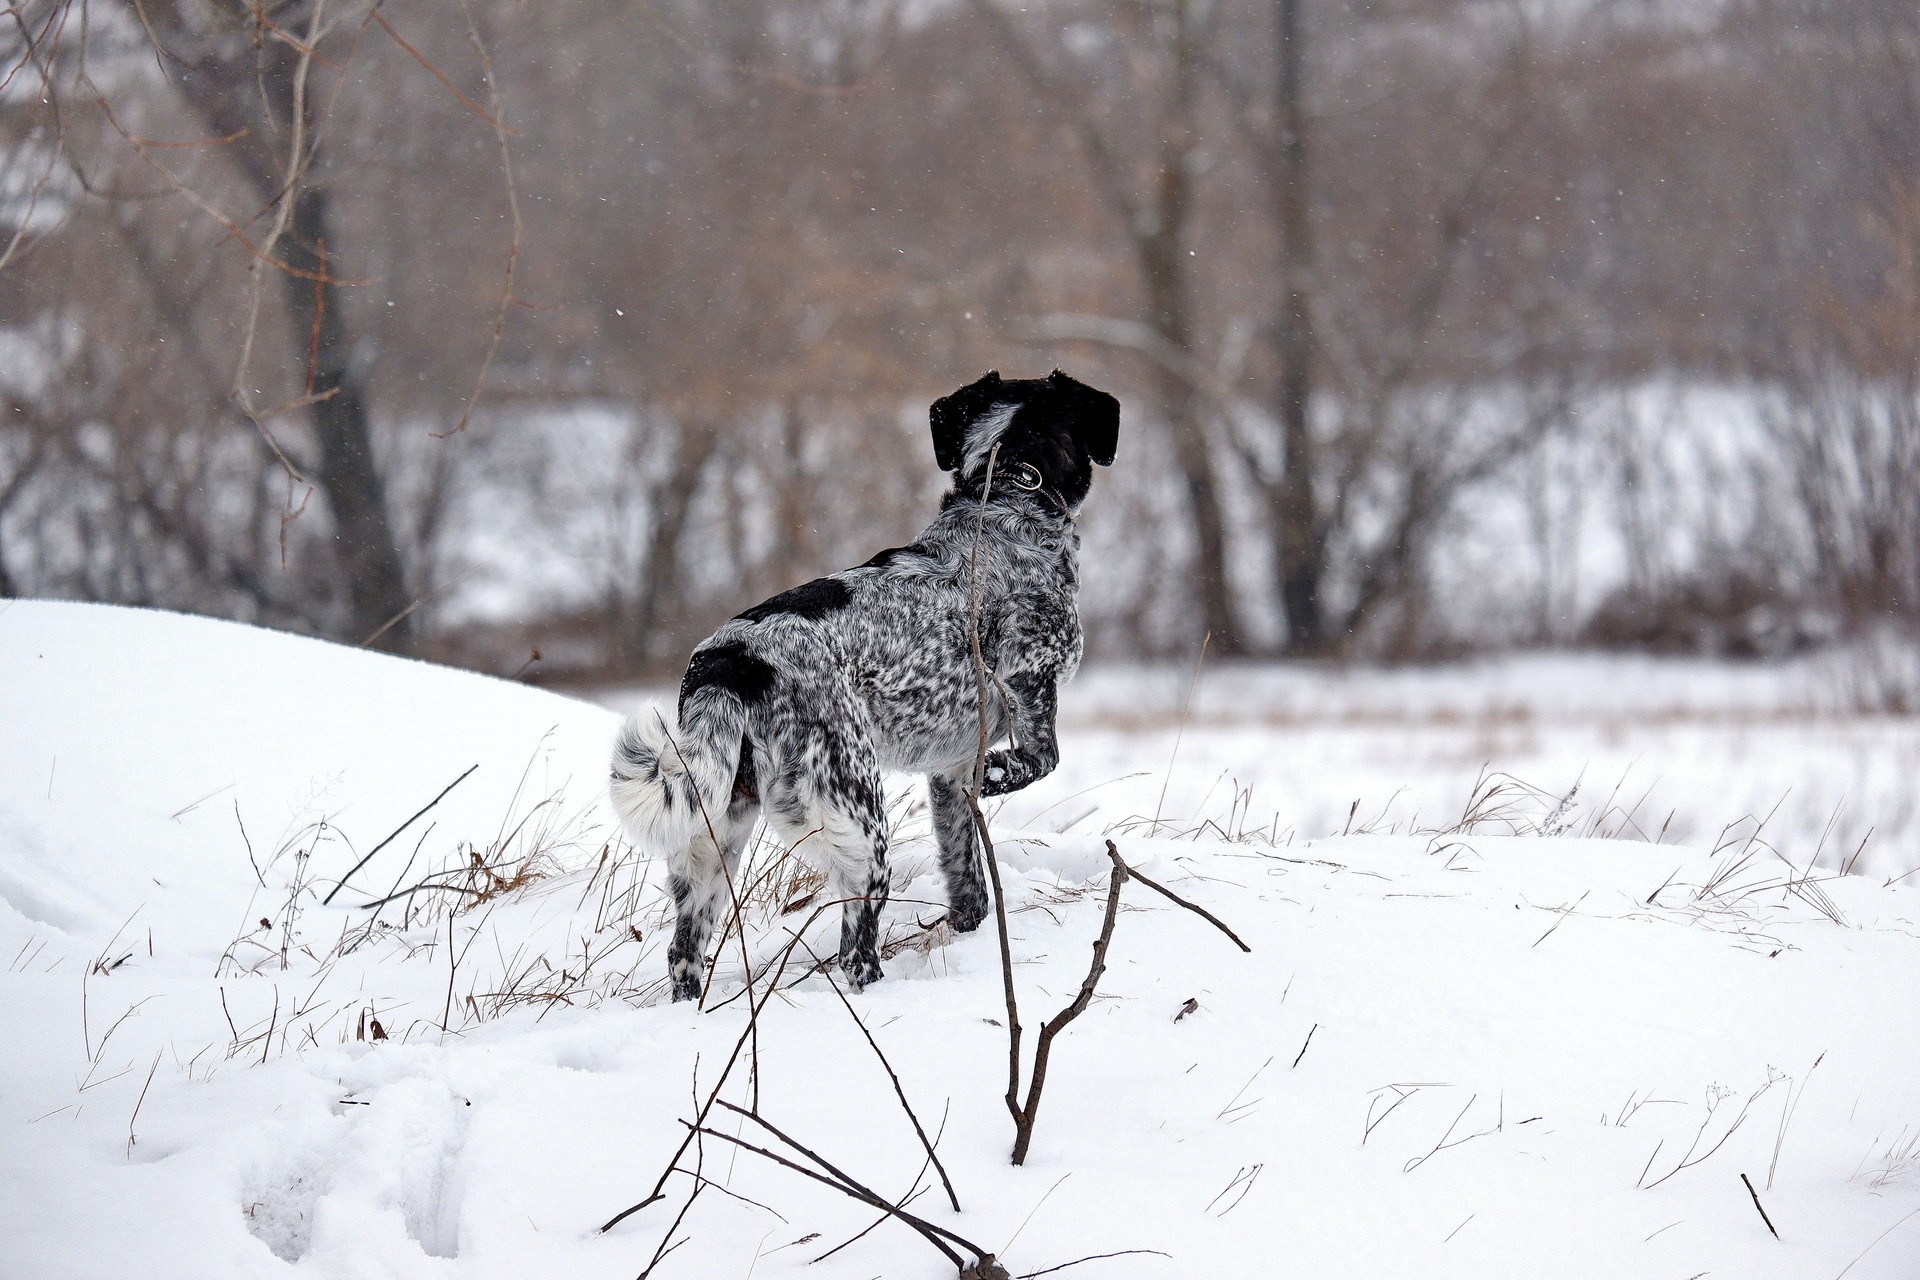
<point x="255" y="862"/>
<point x="1564" y="912"/>
<point x="839" y="1174"/>
<point x="1120" y="1253"/>
<point x="1006" y="958"/>
<point x="667" y="1244"/>
<point x="390" y="838"/>
<point x="402" y="616"/>
<point x="501" y="132"/>
<point x="453" y="968"/>
<point x="1443" y="1144"/>
<point x="1876" y="1240"/>
<point x="1757" y="1205"/>
<point x="933" y="1235"/>
<point x="972" y="794"/>
<point x="141" y="1101"/>
<point x="1787" y="1109"/>
<point x="898" y="1090"/>
<point x="1175" y="898"/>
<point x="438" y="74"/>
<point x="1303" y="1045"/>
<point x="1401" y="1094"/>
<point x="914" y="1192"/>
<point x="1689" y="1160"/>
<point x="753" y="1015"/>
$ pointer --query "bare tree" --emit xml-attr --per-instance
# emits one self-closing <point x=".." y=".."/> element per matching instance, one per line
<point x="1149" y="193"/>
<point x="1347" y="265"/>
<point x="1297" y="535"/>
<point x="257" y="78"/>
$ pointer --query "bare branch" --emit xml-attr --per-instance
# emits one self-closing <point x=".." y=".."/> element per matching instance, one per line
<point x="1177" y="900"/>
<point x="898" y="1090"/>
<point x="500" y="133"/>
<point x="1043" y="1045"/>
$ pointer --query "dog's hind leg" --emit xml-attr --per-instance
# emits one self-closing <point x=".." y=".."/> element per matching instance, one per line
<point x="697" y="878"/>
<point x="856" y="833"/>
<point x="840" y="820"/>
<point x="959" y="852"/>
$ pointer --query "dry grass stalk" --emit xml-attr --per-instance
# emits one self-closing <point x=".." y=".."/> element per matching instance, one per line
<point x="1898" y="1161"/>
<point x="1447" y="1140"/>
<point x="1715" y="1096"/>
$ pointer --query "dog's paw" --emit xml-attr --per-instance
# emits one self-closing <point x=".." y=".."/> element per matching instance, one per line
<point x="966" y="917"/>
<point x="1006" y="771"/>
<point x="861" y="970"/>
<point x="686" y="982"/>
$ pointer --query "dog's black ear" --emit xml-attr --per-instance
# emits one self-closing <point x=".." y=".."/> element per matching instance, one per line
<point x="1093" y="416"/>
<point x="951" y="415"/>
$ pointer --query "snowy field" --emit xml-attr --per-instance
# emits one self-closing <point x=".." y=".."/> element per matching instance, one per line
<point x="1491" y="1024"/>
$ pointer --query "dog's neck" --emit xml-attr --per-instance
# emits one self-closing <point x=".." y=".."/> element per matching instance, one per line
<point x="1008" y="501"/>
<point x="1005" y="488"/>
<point x="1013" y="512"/>
<point x="1011" y="527"/>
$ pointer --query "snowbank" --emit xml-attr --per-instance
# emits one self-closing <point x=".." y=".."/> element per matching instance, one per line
<point x="1448" y="1055"/>
<point x="137" y="744"/>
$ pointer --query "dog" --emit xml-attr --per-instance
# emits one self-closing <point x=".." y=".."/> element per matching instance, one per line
<point x="796" y="707"/>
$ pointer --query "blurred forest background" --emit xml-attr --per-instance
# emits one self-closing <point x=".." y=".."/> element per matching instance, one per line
<point x="487" y="328"/>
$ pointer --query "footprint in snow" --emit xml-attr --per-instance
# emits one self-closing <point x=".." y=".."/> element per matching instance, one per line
<point x="392" y="1166"/>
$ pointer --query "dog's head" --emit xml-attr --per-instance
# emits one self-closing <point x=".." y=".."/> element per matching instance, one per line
<point x="1051" y="431"/>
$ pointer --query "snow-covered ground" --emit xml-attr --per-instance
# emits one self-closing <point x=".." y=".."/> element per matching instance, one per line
<point x="1674" y="750"/>
<point x="1492" y="1047"/>
<point x="1678" y="750"/>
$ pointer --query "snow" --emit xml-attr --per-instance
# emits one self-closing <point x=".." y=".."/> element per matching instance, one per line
<point x="1449" y="1054"/>
<point x="1684" y="750"/>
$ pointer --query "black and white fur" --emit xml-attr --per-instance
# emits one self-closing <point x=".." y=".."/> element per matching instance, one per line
<point x="797" y="706"/>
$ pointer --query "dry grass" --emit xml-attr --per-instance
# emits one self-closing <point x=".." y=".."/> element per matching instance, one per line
<point x="594" y="935"/>
<point x="1497" y="804"/>
<point x="1891" y="1165"/>
<point x="1750" y="890"/>
<point x="450" y="918"/>
<point x="1501" y="804"/>
<point x="495" y="920"/>
<point x="1703" y="1145"/>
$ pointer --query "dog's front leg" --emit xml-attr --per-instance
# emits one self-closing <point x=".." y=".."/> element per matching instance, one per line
<point x="1033" y="702"/>
<point x="960" y="865"/>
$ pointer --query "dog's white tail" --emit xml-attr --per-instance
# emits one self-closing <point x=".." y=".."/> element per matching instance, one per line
<point x="670" y="781"/>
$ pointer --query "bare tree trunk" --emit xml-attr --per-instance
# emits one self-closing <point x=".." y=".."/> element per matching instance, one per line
<point x="671" y="506"/>
<point x="12" y="486"/>
<point x="249" y="94"/>
<point x="1156" y="224"/>
<point x="1296" y="525"/>
<point x="1186" y="421"/>
<point x="368" y="554"/>
<point x="1166" y="275"/>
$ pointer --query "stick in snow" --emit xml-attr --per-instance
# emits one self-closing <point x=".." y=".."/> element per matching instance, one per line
<point x="1757" y="1205"/>
<point x="1175" y="898"/>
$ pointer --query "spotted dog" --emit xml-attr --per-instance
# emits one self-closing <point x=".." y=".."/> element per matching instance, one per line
<point x="797" y="706"/>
